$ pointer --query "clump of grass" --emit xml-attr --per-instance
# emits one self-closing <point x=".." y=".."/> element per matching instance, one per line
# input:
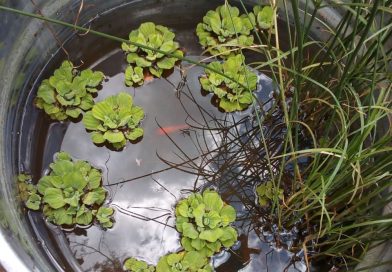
<point x="340" y="99"/>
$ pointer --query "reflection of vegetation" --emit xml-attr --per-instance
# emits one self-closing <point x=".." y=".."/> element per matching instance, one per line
<point x="111" y="263"/>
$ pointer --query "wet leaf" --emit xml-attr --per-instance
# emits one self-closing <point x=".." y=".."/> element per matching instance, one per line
<point x="97" y="196"/>
<point x="212" y="201"/>
<point x="228" y="215"/>
<point x="211" y="235"/>
<point x="54" y="197"/>
<point x="265" y="16"/>
<point x="94" y="179"/>
<point x="104" y="216"/>
<point x="33" y="202"/>
<point x="84" y="216"/>
<point x="189" y="230"/>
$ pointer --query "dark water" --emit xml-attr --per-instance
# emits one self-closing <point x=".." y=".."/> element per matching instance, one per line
<point x="144" y="204"/>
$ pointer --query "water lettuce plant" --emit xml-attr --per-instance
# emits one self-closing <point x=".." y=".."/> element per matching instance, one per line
<point x="192" y="261"/>
<point x="68" y="92"/>
<point x="204" y="222"/>
<point x="264" y="17"/>
<point x="232" y="95"/>
<point x="142" y="60"/>
<point x="114" y="120"/>
<point x="223" y="30"/>
<point x="70" y="194"/>
<point x="266" y="193"/>
<point x="28" y="192"/>
<point x="135" y="265"/>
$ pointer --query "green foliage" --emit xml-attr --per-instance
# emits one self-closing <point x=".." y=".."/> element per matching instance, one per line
<point x="68" y="92"/>
<point x="114" y="120"/>
<point x="231" y="94"/>
<point x="104" y="216"/>
<point x="191" y="261"/>
<point x="143" y="60"/>
<point x="264" y="16"/>
<point x="204" y="222"/>
<point x="28" y="192"/>
<point x="135" y="265"/>
<point x="266" y="193"/>
<point x="71" y="193"/>
<point x="225" y="29"/>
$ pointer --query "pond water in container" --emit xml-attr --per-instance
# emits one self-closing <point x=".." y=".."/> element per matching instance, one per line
<point x="188" y="144"/>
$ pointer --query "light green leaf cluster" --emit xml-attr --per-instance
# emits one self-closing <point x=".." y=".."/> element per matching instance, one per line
<point x="224" y="29"/>
<point x="266" y="192"/>
<point x="231" y="94"/>
<point x="104" y="216"/>
<point x="71" y="193"/>
<point x="68" y="92"/>
<point x="264" y="16"/>
<point x="204" y="222"/>
<point x="114" y="120"/>
<point x="28" y="192"/>
<point x="135" y="265"/>
<point x="191" y="261"/>
<point x="143" y="60"/>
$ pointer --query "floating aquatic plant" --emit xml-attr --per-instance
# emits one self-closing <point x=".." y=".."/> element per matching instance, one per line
<point x="264" y="16"/>
<point x="71" y="193"/>
<point x="142" y="60"/>
<point x="191" y="261"/>
<point x="224" y="29"/>
<point x="204" y="222"/>
<point x="266" y="193"/>
<point x="135" y="265"/>
<point x="28" y="192"/>
<point x="68" y="92"/>
<point x="114" y="120"/>
<point x="232" y="95"/>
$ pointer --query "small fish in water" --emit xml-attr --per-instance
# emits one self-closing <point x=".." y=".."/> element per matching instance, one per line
<point x="171" y="129"/>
